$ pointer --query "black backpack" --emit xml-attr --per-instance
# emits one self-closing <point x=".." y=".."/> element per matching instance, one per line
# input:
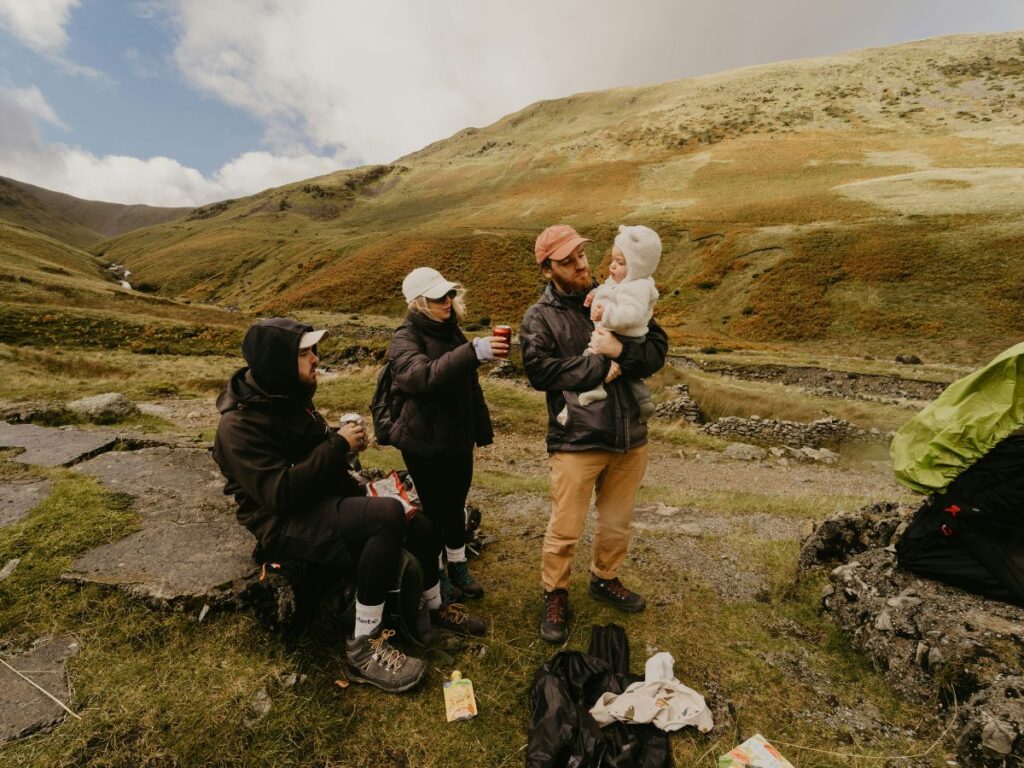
<point x="383" y="408"/>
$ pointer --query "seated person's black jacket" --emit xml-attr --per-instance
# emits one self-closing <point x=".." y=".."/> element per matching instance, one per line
<point x="273" y="446"/>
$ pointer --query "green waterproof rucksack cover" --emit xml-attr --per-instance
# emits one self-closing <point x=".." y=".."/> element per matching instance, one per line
<point x="961" y="425"/>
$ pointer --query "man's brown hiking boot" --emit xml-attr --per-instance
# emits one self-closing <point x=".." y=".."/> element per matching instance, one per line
<point x="371" y="659"/>
<point x="615" y="592"/>
<point x="556" y="616"/>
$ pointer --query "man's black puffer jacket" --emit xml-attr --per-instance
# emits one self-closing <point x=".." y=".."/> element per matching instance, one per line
<point x="434" y="370"/>
<point x="554" y="333"/>
<point x="272" y="445"/>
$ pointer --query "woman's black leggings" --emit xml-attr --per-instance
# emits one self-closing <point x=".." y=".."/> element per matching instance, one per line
<point x="442" y="484"/>
<point x="369" y="531"/>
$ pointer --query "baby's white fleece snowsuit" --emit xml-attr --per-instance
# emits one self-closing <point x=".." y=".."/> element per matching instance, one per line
<point x="629" y="305"/>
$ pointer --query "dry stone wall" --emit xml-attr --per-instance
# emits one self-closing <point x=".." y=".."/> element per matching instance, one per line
<point x="827" y="431"/>
<point x="682" y="406"/>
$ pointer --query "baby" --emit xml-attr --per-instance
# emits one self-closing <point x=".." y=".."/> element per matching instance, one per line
<point x="625" y="303"/>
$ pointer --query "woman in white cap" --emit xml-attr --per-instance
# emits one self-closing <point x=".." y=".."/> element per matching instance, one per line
<point x="442" y="412"/>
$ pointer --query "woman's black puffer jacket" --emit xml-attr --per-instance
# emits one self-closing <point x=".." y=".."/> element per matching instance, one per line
<point x="434" y="374"/>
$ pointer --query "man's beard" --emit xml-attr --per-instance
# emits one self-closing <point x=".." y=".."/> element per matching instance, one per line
<point x="579" y="285"/>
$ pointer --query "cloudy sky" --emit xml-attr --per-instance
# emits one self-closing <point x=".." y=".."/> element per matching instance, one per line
<point x="181" y="102"/>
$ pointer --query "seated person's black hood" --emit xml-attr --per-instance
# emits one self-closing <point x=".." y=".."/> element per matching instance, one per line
<point x="271" y="348"/>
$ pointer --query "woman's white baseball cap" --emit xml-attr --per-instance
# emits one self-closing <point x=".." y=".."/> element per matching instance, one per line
<point x="426" y="282"/>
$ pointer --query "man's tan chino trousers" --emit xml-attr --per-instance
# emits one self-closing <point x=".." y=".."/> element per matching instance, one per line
<point x="574" y="477"/>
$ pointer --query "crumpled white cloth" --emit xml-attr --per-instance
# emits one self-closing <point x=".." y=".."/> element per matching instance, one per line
<point x="660" y="699"/>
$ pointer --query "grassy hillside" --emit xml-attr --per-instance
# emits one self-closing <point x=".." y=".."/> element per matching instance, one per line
<point x="56" y="295"/>
<point x="862" y="203"/>
<point x="17" y="206"/>
<point x="72" y="220"/>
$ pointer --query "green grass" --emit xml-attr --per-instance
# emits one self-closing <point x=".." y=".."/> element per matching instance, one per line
<point x="162" y="689"/>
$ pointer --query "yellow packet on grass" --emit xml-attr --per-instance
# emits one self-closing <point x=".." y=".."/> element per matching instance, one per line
<point x="459" y="701"/>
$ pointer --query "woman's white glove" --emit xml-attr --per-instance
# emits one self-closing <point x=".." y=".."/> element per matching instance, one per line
<point x="482" y="347"/>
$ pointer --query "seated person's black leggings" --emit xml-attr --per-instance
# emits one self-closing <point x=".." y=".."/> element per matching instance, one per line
<point x="367" y="531"/>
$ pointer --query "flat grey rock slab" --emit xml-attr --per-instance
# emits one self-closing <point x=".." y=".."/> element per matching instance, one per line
<point x="183" y="484"/>
<point x="50" y="447"/>
<point x="17" y="498"/>
<point x="23" y="709"/>
<point x="190" y="549"/>
<point x="169" y="563"/>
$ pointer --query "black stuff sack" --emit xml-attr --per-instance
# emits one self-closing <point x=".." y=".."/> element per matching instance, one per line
<point x="563" y="733"/>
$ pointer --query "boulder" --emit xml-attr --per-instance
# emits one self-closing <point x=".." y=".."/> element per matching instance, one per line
<point x="104" y="409"/>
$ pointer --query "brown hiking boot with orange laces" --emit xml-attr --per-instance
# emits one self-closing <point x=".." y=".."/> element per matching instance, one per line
<point x="615" y="592"/>
<point x="556" y="616"/>
<point x="371" y="659"/>
<point x="455" y="618"/>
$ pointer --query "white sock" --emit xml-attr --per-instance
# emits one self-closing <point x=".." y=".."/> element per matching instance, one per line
<point x="432" y="596"/>
<point x="368" y="618"/>
<point x="456" y="555"/>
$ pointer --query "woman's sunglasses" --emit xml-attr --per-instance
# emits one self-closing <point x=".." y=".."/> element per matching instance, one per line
<point x="448" y="296"/>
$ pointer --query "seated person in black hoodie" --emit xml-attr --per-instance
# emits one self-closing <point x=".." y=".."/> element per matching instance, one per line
<point x="288" y="472"/>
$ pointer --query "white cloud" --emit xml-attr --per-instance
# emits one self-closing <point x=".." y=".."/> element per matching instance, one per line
<point x="157" y="180"/>
<point x="32" y="101"/>
<point x="384" y="79"/>
<point x="120" y="179"/>
<point x="39" y="24"/>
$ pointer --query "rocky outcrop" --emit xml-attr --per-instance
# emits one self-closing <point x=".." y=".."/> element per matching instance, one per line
<point x="931" y="641"/>
<point x="827" y="431"/>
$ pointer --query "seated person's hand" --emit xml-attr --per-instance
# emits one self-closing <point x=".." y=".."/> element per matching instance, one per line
<point x="589" y="298"/>
<point x="355" y="434"/>
<point x="613" y="373"/>
<point x="597" y="312"/>
<point x="604" y="342"/>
